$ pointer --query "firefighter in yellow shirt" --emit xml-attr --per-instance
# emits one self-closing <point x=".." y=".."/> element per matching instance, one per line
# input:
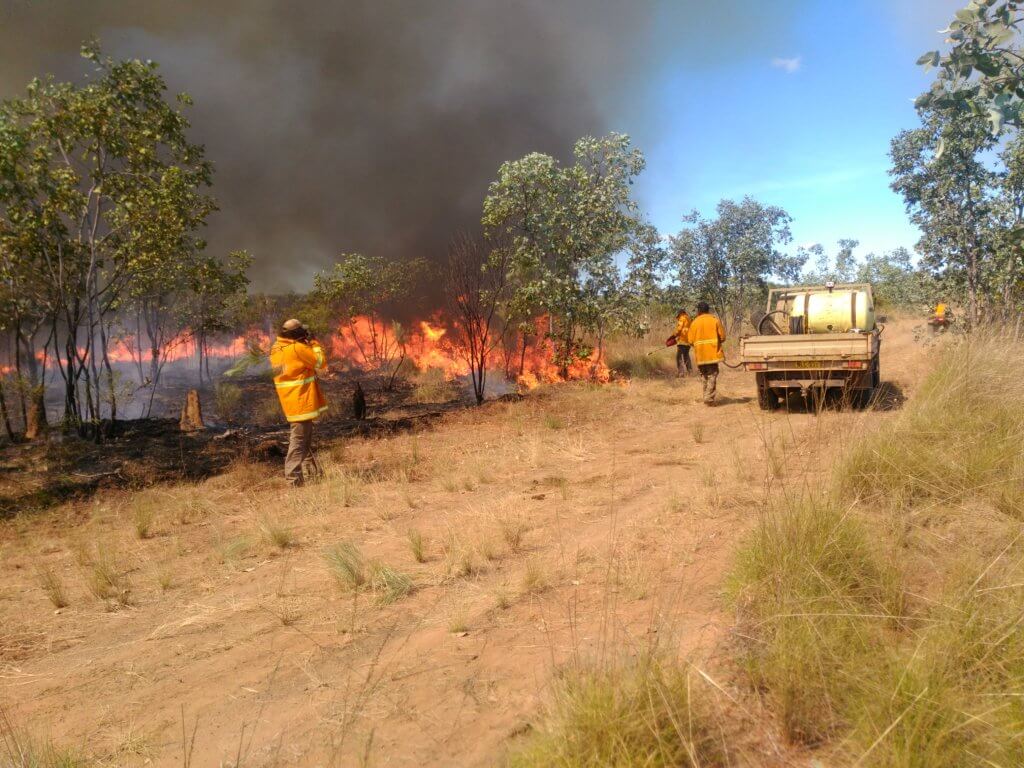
<point x="683" y="343"/>
<point x="295" y="359"/>
<point x="707" y="336"/>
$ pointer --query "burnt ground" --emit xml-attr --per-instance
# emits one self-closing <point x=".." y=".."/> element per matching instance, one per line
<point x="144" y="452"/>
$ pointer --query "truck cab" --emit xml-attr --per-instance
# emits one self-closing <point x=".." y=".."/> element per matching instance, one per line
<point x="814" y="340"/>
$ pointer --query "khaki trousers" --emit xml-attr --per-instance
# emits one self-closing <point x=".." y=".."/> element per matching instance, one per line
<point x="709" y="377"/>
<point x="300" y="454"/>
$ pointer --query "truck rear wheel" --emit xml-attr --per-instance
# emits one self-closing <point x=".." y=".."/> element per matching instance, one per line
<point x="815" y="399"/>
<point x="767" y="397"/>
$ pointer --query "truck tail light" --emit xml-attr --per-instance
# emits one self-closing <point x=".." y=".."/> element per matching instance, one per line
<point x="757" y="366"/>
<point x="855" y="365"/>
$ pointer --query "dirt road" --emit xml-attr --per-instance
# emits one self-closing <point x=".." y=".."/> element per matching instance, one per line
<point x="581" y="523"/>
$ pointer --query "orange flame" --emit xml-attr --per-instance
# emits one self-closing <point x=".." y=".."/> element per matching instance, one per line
<point x="372" y="344"/>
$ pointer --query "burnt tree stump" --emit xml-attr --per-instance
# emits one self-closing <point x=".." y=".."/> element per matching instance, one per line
<point x="191" y="413"/>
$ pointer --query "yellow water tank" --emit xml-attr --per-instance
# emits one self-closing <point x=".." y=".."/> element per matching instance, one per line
<point x="836" y="311"/>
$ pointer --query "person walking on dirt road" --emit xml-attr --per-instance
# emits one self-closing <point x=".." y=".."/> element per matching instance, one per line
<point x="295" y="359"/>
<point x="707" y="336"/>
<point x="683" y="343"/>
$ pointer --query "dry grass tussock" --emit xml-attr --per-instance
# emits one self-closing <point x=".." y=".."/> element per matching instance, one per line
<point x="643" y="358"/>
<point x="431" y="386"/>
<point x="18" y="749"/>
<point x="644" y="711"/>
<point x="960" y="439"/>
<point x="352" y="572"/>
<point x="875" y="631"/>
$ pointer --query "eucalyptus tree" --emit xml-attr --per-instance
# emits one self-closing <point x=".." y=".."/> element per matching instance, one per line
<point x="896" y="280"/>
<point x="730" y="259"/>
<point x="103" y="199"/>
<point x="358" y="288"/>
<point x="477" y="292"/>
<point x="949" y="191"/>
<point x="566" y="226"/>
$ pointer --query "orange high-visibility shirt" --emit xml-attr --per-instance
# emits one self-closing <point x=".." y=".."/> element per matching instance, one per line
<point x="683" y="328"/>
<point x="295" y="364"/>
<point x="707" y="337"/>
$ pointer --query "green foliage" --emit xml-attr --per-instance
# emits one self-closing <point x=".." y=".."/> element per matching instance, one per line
<point x="951" y="196"/>
<point x="982" y="74"/>
<point x="359" y="288"/>
<point x="362" y="285"/>
<point x="841" y="269"/>
<point x="895" y="281"/>
<point x="565" y="226"/>
<point x="101" y="199"/>
<point x="728" y="261"/>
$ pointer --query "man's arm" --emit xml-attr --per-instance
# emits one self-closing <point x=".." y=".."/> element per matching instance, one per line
<point x="311" y="354"/>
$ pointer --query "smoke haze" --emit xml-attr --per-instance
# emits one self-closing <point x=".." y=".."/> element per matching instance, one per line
<point x="371" y="126"/>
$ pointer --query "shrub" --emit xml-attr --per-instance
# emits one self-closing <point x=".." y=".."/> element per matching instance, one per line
<point x="934" y="683"/>
<point x="640" y="365"/>
<point x="103" y="576"/>
<point x="276" y="534"/>
<point x="143" y="514"/>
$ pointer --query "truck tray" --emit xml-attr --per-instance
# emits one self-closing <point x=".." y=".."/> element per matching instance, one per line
<point x="807" y="347"/>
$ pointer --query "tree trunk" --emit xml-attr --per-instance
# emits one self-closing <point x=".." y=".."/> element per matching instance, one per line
<point x="972" y="289"/>
<point x="17" y="368"/>
<point x="3" y="412"/>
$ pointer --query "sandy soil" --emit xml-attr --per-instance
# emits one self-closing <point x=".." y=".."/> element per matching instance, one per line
<point x="630" y="498"/>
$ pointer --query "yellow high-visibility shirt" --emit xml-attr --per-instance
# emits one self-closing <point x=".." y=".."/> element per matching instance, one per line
<point x="295" y="364"/>
<point x="707" y="337"/>
<point x="683" y="328"/>
<point x="940" y="310"/>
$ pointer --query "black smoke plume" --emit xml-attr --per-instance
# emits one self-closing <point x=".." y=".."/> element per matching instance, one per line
<point x="369" y="126"/>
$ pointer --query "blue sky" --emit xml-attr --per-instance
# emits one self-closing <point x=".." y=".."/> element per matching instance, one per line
<point x="796" y="109"/>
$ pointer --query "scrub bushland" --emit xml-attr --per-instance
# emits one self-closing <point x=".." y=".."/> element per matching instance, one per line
<point x="881" y="617"/>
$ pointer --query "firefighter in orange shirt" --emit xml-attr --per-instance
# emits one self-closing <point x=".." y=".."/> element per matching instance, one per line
<point x="707" y="337"/>
<point x="683" y="343"/>
<point x="295" y="359"/>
